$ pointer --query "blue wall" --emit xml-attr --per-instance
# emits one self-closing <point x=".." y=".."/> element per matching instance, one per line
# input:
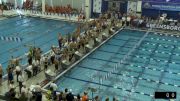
<point x="123" y="7"/>
<point x="155" y="8"/>
<point x="155" y="13"/>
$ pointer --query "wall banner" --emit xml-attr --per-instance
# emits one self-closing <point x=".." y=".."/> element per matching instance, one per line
<point x="97" y="5"/>
<point x="169" y="6"/>
<point x="165" y="27"/>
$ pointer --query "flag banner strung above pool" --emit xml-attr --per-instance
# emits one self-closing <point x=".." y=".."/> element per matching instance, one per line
<point x="161" y="5"/>
<point x="97" y="4"/>
<point x="15" y="39"/>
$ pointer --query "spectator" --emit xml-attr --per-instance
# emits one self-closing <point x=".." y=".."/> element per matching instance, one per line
<point x="21" y="80"/>
<point x="60" y="40"/>
<point x="85" y="97"/>
<point x="96" y="98"/>
<point x="60" y="97"/>
<point x="123" y="20"/>
<point x="10" y="95"/>
<point x="114" y="99"/>
<point x="45" y="63"/>
<point x="54" y="86"/>
<point x="11" y="85"/>
<point x="56" y="65"/>
<point x="23" y="97"/>
<point x="17" y="70"/>
<point x="65" y="93"/>
<point x="29" y="95"/>
<point x="29" y="71"/>
<point x="10" y="75"/>
<point x="35" y="67"/>
<point x="107" y="99"/>
<point x="38" y="96"/>
<point x="53" y="91"/>
<point x="70" y="96"/>
<point x="78" y="97"/>
<point x="1" y="74"/>
<point x="128" y="20"/>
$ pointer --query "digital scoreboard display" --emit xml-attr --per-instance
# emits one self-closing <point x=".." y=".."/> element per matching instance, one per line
<point x="165" y="95"/>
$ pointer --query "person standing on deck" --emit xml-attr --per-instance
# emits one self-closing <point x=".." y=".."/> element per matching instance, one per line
<point x="20" y="80"/>
<point x="1" y="74"/>
<point x="2" y="8"/>
<point x="10" y="75"/>
<point x="60" y="40"/>
<point x="17" y="70"/>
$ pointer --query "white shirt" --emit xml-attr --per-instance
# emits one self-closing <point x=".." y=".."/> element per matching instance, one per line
<point x="128" y="18"/>
<point x="78" y="38"/>
<point x="29" y="95"/>
<point x="29" y="68"/>
<point x="11" y="86"/>
<point x="123" y="18"/>
<point x="54" y="86"/>
<point x="23" y="90"/>
<point x="37" y="88"/>
<point x="18" y="68"/>
<point x="20" y="78"/>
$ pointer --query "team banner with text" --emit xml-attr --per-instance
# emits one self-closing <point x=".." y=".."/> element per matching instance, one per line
<point x="161" y="5"/>
<point x="163" y="26"/>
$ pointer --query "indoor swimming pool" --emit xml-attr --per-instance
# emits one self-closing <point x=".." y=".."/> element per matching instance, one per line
<point x="153" y="66"/>
<point x="22" y="32"/>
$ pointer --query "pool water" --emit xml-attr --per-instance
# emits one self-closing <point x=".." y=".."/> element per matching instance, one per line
<point x="153" y="66"/>
<point x="33" y="31"/>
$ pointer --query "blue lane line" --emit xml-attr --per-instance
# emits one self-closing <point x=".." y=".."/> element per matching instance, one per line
<point x="12" y="20"/>
<point x="145" y="40"/>
<point x="40" y="36"/>
<point x="157" y="60"/>
<point x="165" y="51"/>
<point x="134" y="71"/>
<point x="155" y="56"/>
<point x="146" y="49"/>
<point x="130" y="64"/>
<point x="14" y="25"/>
<point x="44" y="43"/>
<point x="149" y="80"/>
<point x="151" y="35"/>
<point x="109" y="86"/>
<point x="103" y="60"/>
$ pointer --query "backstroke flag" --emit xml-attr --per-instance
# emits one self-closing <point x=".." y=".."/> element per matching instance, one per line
<point x="97" y="4"/>
<point x="15" y="39"/>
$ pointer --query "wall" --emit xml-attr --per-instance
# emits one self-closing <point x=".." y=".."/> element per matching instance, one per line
<point x="132" y="7"/>
<point x="155" y="9"/>
<point x="88" y="8"/>
<point x="114" y="6"/>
